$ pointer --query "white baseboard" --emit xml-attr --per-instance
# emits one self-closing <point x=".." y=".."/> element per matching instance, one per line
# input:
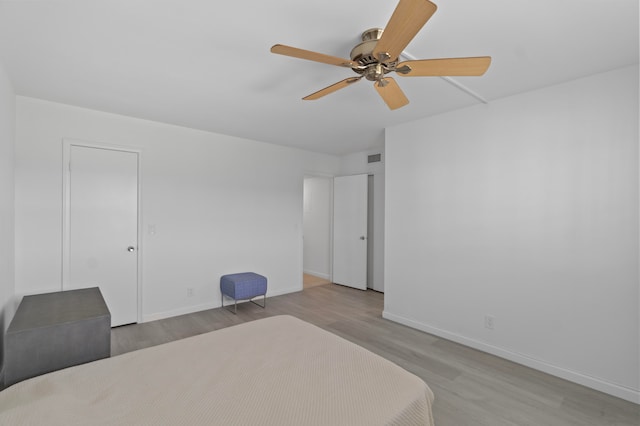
<point x="285" y="290"/>
<point x="211" y="305"/>
<point x="625" y="393"/>
<point x="180" y="311"/>
<point x="317" y="274"/>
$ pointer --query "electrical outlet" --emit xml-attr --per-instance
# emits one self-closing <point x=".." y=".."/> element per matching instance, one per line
<point x="190" y="292"/>
<point x="489" y="321"/>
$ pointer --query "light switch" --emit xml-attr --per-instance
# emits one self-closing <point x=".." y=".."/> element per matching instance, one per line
<point x="151" y="229"/>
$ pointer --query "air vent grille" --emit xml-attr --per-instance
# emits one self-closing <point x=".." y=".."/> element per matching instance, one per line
<point x="374" y="158"/>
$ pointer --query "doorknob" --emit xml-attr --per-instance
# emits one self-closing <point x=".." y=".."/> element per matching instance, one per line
<point x="363" y="237"/>
<point x="131" y="248"/>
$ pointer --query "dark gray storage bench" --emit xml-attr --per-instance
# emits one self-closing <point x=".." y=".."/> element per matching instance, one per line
<point x="52" y="331"/>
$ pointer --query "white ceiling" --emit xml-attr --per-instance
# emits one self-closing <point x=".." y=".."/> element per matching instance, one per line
<point x="206" y="64"/>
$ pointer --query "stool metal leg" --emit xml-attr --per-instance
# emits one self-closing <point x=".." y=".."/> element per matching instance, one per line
<point x="235" y="306"/>
<point x="264" y="301"/>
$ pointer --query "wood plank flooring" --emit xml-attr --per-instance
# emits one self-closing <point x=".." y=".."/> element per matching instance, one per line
<point x="309" y="281"/>
<point x="470" y="387"/>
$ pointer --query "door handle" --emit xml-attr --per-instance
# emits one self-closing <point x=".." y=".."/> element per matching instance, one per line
<point x="131" y="248"/>
<point x="363" y="237"/>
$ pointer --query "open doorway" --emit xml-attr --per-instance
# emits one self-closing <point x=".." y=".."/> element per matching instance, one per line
<point x="318" y="229"/>
<point x="317" y="222"/>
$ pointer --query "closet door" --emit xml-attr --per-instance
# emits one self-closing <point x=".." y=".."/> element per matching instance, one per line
<point x="102" y="227"/>
<point x="350" y="195"/>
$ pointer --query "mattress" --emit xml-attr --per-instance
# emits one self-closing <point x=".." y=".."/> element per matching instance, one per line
<point x="274" y="371"/>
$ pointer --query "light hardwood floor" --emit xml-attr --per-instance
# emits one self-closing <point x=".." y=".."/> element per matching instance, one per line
<point x="470" y="387"/>
<point x="309" y="281"/>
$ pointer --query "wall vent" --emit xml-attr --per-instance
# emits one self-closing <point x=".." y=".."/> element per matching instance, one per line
<point x="374" y="158"/>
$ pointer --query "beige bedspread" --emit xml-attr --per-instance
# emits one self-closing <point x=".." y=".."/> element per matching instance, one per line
<point x="274" y="371"/>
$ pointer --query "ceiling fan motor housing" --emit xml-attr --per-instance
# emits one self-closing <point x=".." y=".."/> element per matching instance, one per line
<point x="370" y="67"/>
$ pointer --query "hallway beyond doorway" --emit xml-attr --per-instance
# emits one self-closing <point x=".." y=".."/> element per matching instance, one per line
<point x="309" y="281"/>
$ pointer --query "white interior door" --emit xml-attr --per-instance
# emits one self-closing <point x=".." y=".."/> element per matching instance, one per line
<point x="103" y="227"/>
<point x="350" y="231"/>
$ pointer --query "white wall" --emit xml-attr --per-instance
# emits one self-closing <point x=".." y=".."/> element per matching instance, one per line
<point x="525" y="209"/>
<point x="318" y="213"/>
<point x="7" y="144"/>
<point x="219" y="204"/>
<point x="356" y="163"/>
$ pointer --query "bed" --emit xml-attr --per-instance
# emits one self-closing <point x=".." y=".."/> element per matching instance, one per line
<point x="274" y="371"/>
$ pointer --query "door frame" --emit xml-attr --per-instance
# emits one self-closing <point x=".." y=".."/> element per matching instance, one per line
<point x="67" y="143"/>
<point x="330" y="178"/>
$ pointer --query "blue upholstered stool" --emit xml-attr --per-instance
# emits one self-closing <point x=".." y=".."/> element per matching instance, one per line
<point x="243" y="286"/>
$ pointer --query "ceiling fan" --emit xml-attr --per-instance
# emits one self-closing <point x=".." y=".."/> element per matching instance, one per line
<point x="379" y="51"/>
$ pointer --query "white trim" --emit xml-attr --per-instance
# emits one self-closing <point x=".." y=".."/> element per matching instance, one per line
<point x="180" y="311"/>
<point x="625" y="393"/>
<point x="285" y="291"/>
<point x="318" y="175"/>
<point x="67" y="143"/>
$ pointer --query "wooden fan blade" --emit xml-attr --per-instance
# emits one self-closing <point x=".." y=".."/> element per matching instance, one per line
<point x="337" y="86"/>
<point x="391" y="93"/>
<point x="407" y="19"/>
<point x="281" y="49"/>
<point x="444" y="67"/>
